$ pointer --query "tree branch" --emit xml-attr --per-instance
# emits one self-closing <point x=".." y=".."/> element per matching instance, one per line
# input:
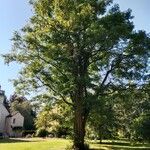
<point x="48" y="85"/>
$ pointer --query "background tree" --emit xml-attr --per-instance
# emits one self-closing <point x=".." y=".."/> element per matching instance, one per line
<point x="56" y="120"/>
<point x="141" y="128"/>
<point x="130" y="104"/>
<point x="78" y="51"/>
<point x="102" y="119"/>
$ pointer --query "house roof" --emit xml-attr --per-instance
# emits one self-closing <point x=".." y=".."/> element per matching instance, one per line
<point x="2" y="92"/>
<point x="13" y="113"/>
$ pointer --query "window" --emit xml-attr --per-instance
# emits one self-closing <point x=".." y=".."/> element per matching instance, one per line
<point x="14" y="120"/>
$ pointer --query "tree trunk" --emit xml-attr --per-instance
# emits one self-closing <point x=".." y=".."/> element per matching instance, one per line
<point x="80" y="100"/>
<point x="100" y="134"/>
<point x="79" y="128"/>
<point x="100" y="137"/>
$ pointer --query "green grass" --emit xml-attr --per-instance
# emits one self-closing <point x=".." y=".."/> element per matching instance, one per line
<point x="61" y="144"/>
<point x="33" y="144"/>
<point x="118" y="145"/>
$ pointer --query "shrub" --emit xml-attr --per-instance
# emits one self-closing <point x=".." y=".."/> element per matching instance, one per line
<point x="42" y="133"/>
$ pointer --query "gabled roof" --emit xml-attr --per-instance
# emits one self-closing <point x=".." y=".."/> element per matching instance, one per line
<point x="13" y="114"/>
<point x="2" y="92"/>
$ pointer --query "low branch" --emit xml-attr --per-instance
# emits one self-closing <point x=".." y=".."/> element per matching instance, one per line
<point x="55" y="66"/>
<point x="49" y="86"/>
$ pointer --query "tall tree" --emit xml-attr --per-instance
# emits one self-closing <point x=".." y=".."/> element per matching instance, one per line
<point x="78" y="50"/>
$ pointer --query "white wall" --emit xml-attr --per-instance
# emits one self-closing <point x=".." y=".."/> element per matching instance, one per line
<point x="19" y="120"/>
<point x="3" y="114"/>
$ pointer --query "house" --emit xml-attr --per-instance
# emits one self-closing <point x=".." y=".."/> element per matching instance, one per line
<point x="11" y="124"/>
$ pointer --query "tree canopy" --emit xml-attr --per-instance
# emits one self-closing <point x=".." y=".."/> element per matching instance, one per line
<point x="80" y="50"/>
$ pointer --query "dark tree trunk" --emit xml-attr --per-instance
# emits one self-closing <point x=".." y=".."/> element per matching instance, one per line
<point x="80" y="100"/>
<point x="79" y="129"/>
<point x="100" y="137"/>
<point x="80" y="117"/>
<point x="100" y="134"/>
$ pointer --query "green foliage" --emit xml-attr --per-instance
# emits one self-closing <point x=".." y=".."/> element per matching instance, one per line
<point x="62" y="32"/>
<point x="42" y="133"/>
<point x="56" y="120"/>
<point x="141" y="128"/>
<point x="43" y="120"/>
<point x="79" y="51"/>
<point x="130" y="104"/>
<point x="103" y="120"/>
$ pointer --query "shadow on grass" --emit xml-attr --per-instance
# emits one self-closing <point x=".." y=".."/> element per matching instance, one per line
<point x="15" y="140"/>
<point x="120" y="145"/>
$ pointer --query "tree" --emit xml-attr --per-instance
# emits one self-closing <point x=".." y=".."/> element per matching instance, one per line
<point x="141" y="128"/>
<point x="102" y="119"/>
<point x="131" y="104"/>
<point x="56" y="120"/>
<point x="77" y="51"/>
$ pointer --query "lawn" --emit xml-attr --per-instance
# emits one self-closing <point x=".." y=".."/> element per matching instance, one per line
<point x="118" y="145"/>
<point x="33" y="144"/>
<point x="60" y="144"/>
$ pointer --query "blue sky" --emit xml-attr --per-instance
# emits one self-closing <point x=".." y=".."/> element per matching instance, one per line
<point x="14" y="14"/>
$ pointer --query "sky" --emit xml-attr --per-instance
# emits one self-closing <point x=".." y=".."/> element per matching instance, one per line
<point x="14" y="14"/>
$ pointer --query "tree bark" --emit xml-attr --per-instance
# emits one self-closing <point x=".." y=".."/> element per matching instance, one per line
<point x="80" y="101"/>
<point x="79" y="128"/>
<point x="80" y="117"/>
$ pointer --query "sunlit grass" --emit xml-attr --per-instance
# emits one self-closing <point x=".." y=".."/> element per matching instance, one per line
<point x="34" y="144"/>
<point x="61" y="144"/>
